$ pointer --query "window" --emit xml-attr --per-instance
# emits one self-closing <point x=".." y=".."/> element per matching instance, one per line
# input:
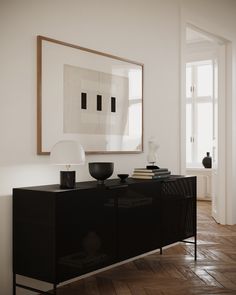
<point x="199" y="111"/>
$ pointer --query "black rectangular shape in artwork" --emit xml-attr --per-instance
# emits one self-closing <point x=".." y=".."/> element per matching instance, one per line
<point x="83" y="100"/>
<point x="113" y="104"/>
<point x="99" y="102"/>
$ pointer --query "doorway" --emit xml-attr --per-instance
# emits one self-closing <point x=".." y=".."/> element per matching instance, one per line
<point x="204" y="115"/>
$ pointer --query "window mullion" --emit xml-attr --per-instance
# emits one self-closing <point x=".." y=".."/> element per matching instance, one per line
<point x="204" y="98"/>
<point x="194" y="117"/>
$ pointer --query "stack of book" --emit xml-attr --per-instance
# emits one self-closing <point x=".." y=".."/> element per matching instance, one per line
<point x="144" y="173"/>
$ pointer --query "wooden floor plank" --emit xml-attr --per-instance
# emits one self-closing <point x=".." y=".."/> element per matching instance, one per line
<point x="91" y="286"/>
<point x="121" y="288"/>
<point x="105" y="286"/>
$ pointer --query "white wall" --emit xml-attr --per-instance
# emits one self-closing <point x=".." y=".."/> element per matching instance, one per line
<point x="142" y="30"/>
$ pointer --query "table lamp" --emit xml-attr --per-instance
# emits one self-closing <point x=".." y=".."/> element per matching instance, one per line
<point x="68" y="153"/>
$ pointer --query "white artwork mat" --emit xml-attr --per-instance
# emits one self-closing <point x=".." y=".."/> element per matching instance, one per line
<point x="66" y="73"/>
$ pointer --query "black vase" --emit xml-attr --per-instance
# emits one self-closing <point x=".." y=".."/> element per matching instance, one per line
<point x="101" y="170"/>
<point x="206" y="161"/>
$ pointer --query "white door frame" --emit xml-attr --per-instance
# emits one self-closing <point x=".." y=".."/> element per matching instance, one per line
<point x="225" y="144"/>
<point x="219" y="167"/>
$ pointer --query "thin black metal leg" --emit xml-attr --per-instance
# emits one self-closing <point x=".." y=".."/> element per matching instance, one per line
<point x="195" y="247"/>
<point x="14" y="284"/>
<point x="54" y="289"/>
<point x="161" y="250"/>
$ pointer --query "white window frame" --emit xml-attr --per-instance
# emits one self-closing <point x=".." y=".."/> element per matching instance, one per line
<point x="194" y="100"/>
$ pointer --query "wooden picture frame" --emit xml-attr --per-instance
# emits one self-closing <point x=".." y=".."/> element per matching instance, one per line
<point x="89" y="96"/>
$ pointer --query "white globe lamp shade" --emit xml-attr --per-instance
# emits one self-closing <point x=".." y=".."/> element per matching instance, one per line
<point x="67" y="152"/>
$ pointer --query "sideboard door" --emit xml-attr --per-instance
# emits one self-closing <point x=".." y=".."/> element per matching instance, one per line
<point x="33" y="232"/>
<point x="138" y="219"/>
<point x="85" y="232"/>
<point x="178" y="215"/>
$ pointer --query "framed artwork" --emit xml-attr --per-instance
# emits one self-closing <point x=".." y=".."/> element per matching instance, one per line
<point x="89" y="96"/>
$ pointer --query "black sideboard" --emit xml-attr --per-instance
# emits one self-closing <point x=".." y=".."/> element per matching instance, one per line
<point x="61" y="234"/>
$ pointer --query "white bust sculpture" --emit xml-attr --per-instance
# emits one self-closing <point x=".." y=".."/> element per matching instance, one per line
<point x="152" y="149"/>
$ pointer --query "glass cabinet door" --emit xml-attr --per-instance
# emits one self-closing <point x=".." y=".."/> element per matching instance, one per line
<point x="138" y="220"/>
<point x="85" y="229"/>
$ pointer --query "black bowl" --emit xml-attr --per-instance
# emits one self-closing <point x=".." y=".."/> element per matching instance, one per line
<point x="101" y="170"/>
<point x="123" y="177"/>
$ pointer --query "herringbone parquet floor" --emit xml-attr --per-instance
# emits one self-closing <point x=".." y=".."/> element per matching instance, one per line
<point x="175" y="272"/>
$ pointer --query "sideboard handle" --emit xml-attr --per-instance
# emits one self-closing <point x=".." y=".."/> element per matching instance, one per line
<point x="117" y="186"/>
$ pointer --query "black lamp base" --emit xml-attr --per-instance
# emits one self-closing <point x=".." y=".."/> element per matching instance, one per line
<point x="152" y="167"/>
<point x="67" y="179"/>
